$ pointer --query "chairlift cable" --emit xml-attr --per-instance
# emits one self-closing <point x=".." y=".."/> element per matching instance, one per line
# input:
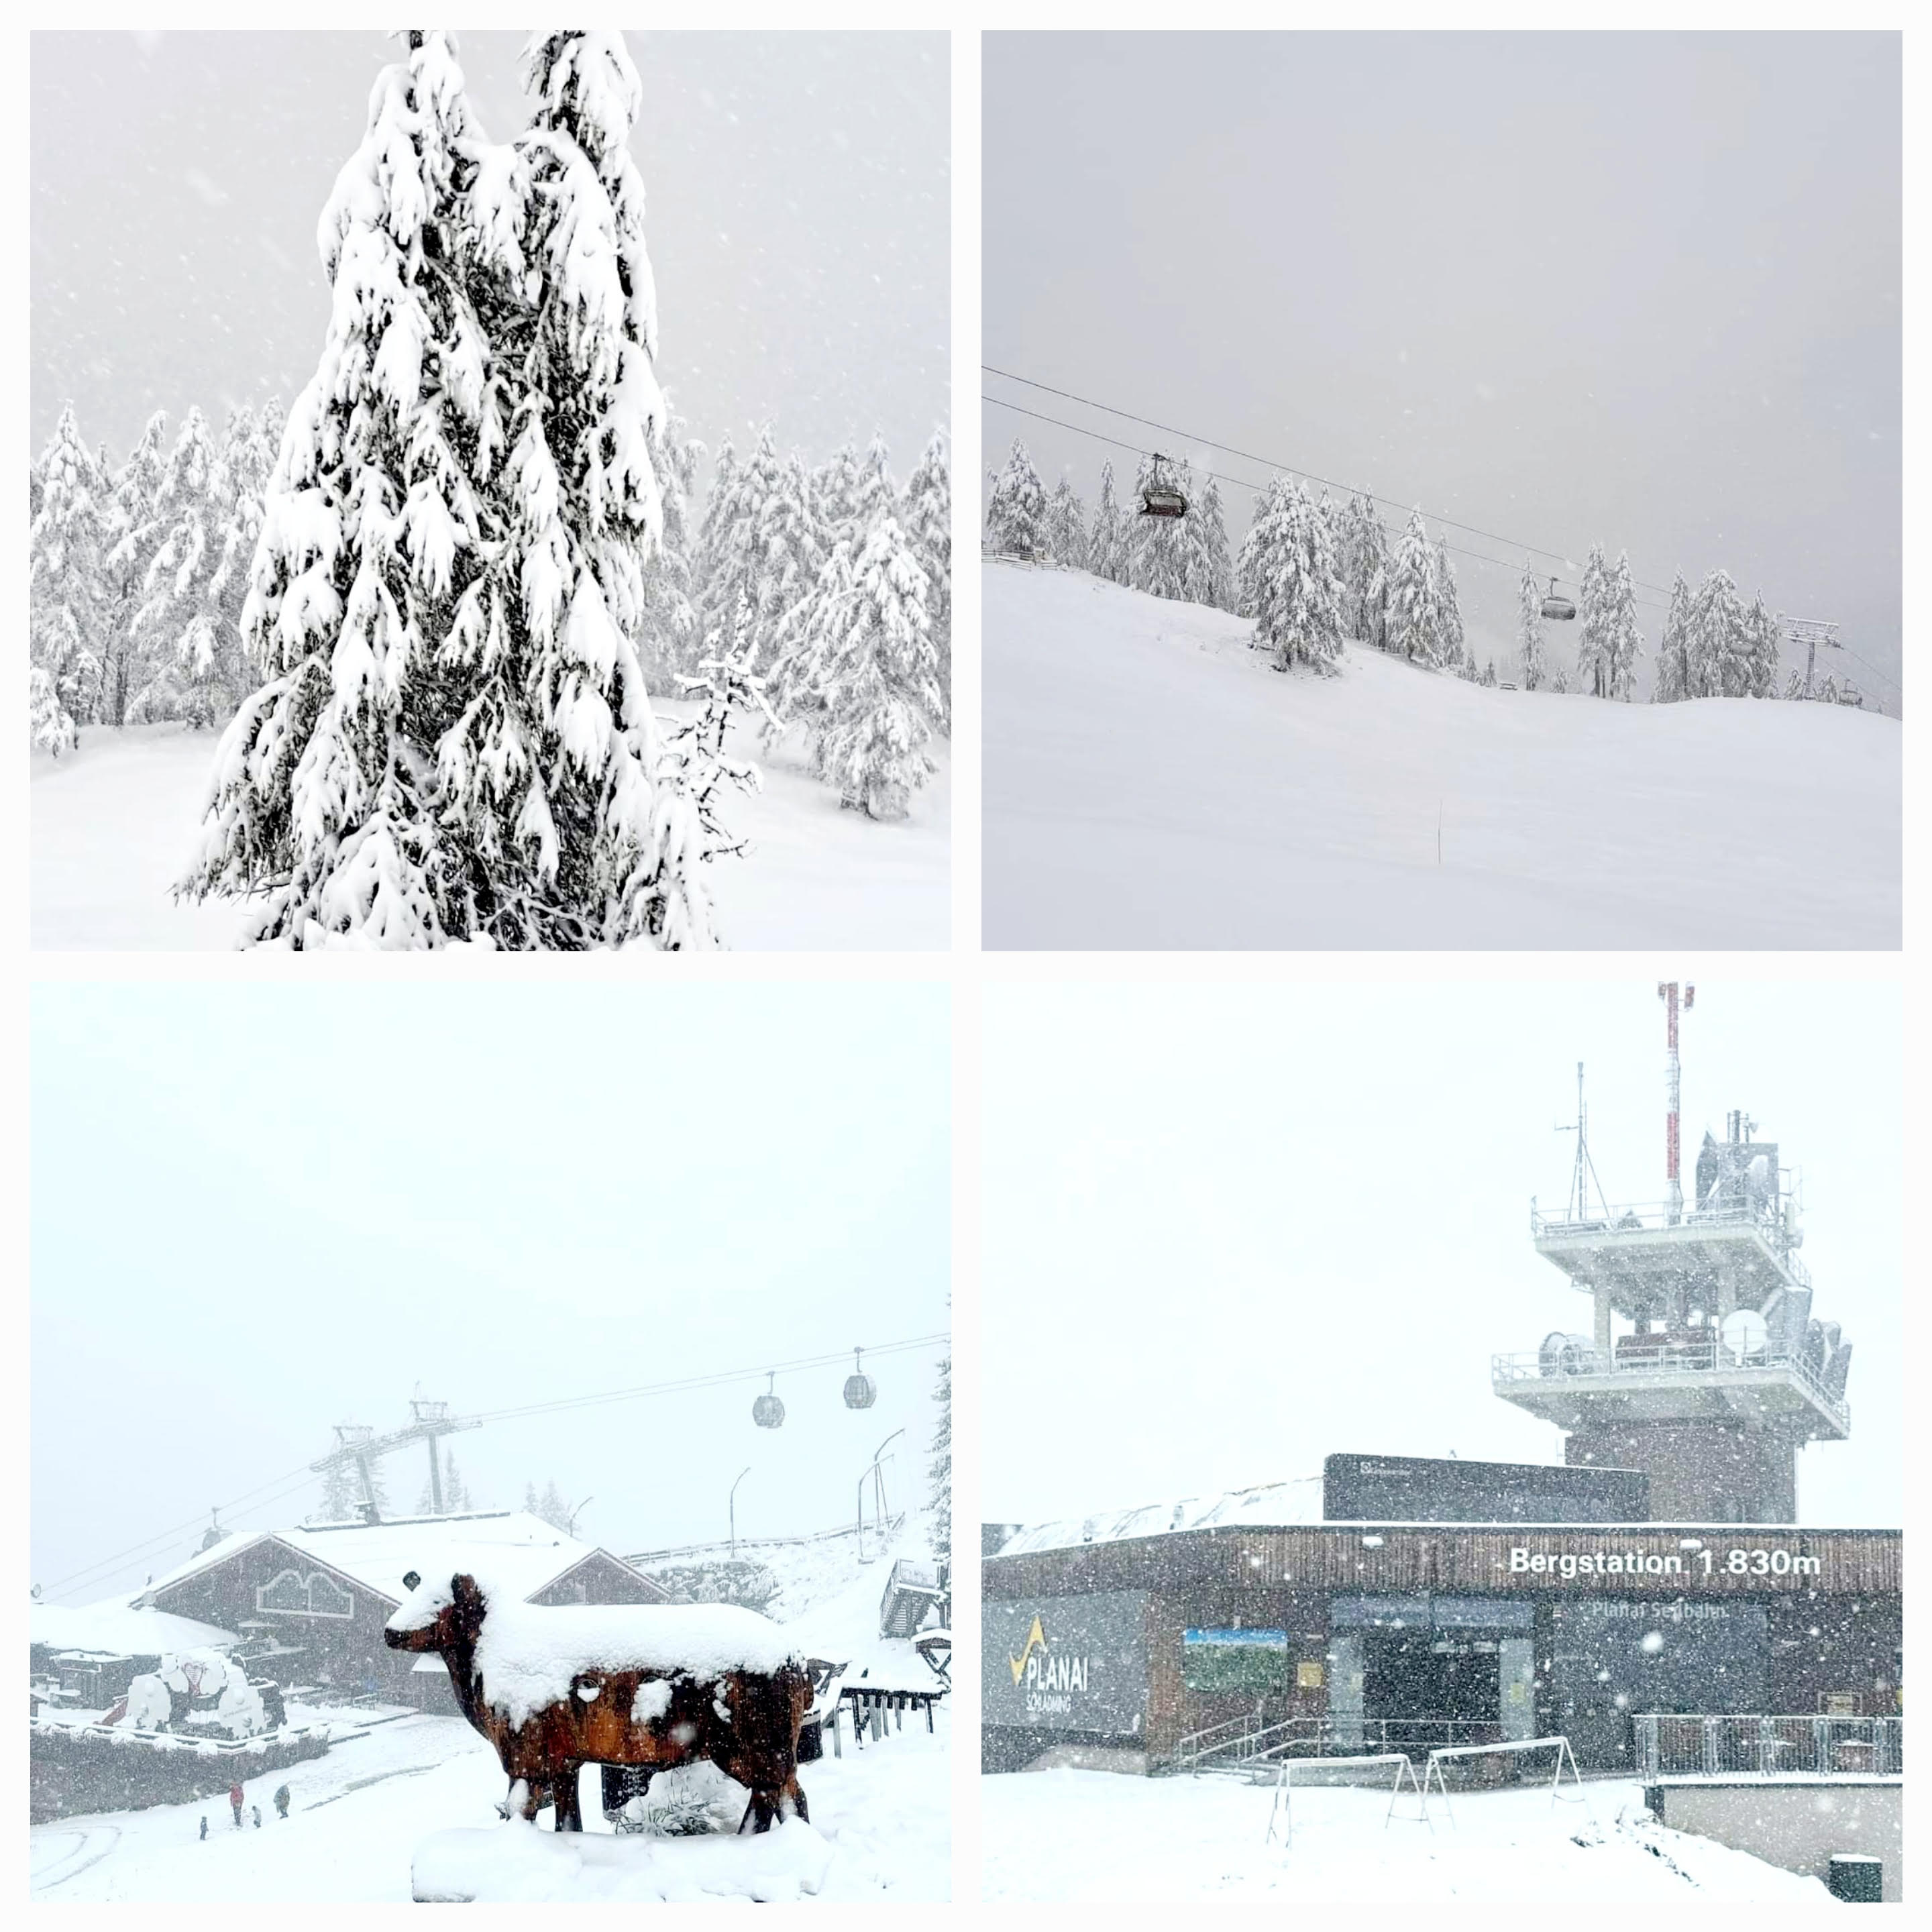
<point x="1242" y="483"/>
<point x="1248" y="456"/>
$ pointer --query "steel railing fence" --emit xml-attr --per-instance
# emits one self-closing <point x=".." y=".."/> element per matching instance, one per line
<point x="1765" y="1747"/>
<point x="1689" y="1359"/>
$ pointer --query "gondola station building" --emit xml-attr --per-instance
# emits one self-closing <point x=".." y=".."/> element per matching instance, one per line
<point x="1398" y="1602"/>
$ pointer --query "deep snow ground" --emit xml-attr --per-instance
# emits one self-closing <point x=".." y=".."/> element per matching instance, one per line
<point x="1149" y="782"/>
<point x="1055" y="1837"/>
<point x="115" y="824"/>
<point x="361" y="1814"/>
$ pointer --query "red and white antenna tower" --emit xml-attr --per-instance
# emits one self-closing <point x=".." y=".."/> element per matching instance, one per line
<point x="1667" y="991"/>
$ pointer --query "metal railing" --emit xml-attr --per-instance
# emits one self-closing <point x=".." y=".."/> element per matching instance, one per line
<point x="1696" y="1358"/>
<point x="1765" y="1218"/>
<point x="1240" y="1743"/>
<point x="1761" y="1747"/>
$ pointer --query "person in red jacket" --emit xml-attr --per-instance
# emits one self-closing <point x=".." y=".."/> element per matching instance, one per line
<point x="234" y="1801"/>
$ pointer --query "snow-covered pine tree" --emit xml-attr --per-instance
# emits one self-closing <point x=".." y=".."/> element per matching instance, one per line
<point x="554" y="1509"/>
<point x="668" y="643"/>
<point x="1108" y="548"/>
<point x="136" y="529"/>
<point x="1761" y="631"/>
<point x="880" y="685"/>
<point x="1016" y="509"/>
<point x="1289" y="580"/>
<point x="1414" y="609"/>
<point x="192" y="659"/>
<point x="939" y="1469"/>
<point x="1714" y="648"/>
<point x="1673" y="667"/>
<point x="455" y="1492"/>
<point x="1593" y="637"/>
<point x="835" y="495"/>
<point x="1626" y="640"/>
<point x="1210" y="571"/>
<point x="340" y="1492"/>
<point x="1529" y="629"/>
<point x="714" y="529"/>
<point x="455" y="740"/>
<point x="875" y="495"/>
<point x="789" y="554"/>
<point x="1157" y="546"/>
<point x="1454" y="651"/>
<point x="1065" y="527"/>
<point x="1559" y="682"/>
<point x="1364" y="557"/>
<point x="1489" y="674"/>
<point x="925" y="515"/>
<point x="739" y="523"/>
<point x="68" y="541"/>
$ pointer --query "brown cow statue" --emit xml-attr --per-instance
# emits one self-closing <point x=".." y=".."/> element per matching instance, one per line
<point x="615" y="1689"/>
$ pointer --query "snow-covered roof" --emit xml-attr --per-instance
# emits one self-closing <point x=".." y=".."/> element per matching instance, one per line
<point x="518" y="1551"/>
<point x="1268" y="1506"/>
<point x="114" y="1627"/>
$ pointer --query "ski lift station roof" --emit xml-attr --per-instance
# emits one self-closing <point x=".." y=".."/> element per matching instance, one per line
<point x="509" y="1548"/>
<point x="1269" y="1505"/>
<point x="114" y="1627"/>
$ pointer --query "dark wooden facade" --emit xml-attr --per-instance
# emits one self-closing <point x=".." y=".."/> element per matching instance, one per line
<point x="1839" y="1624"/>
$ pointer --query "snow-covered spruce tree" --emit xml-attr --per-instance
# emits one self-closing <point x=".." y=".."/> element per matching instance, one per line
<point x="67" y="543"/>
<point x="835" y="495"/>
<point x="1593" y="630"/>
<point x="1414" y="609"/>
<point x="1714" y="649"/>
<point x="789" y="547"/>
<point x="1016" y="509"/>
<point x="455" y="740"/>
<point x="714" y="526"/>
<point x="1108" y="548"/>
<point x="1157" y="546"/>
<point x="1454" y="651"/>
<point x="939" y="1469"/>
<point x="1489" y="674"/>
<point x="925" y="515"/>
<point x="1364" y="558"/>
<point x="136" y="530"/>
<point x="1529" y="629"/>
<point x="880" y="682"/>
<point x="192" y="662"/>
<point x="340" y="1495"/>
<point x="669" y="641"/>
<point x="1289" y="584"/>
<point x="1673" y="668"/>
<point x="1762" y="633"/>
<point x="1626" y="640"/>
<point x="736" y="533"/>
<point x="1065" y="527"/>
<point x="1210" y="568"/>
<point x="875" y="495"/>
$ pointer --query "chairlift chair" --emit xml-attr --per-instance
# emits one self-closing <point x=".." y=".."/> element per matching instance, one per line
<point x="1159" y="497"/>
<point x="1554" y="606"/>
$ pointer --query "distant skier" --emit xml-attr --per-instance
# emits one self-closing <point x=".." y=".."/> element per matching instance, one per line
<point x="204" y="1824"/>
<point x="282" y="1800"/>
<point x="257" y="1811"/>
<point x="235" y="1802"/>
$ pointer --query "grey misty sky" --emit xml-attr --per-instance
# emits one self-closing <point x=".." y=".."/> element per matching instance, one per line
<point x="1226" y="1237"/>
<point x="797" y="197"/>
<point x="1639" y="289"/>
<point x="260" y="1210"/>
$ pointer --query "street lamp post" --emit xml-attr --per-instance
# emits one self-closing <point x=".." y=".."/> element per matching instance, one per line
<point x="733" y="1507"/>
<point x="879" y="1492"/>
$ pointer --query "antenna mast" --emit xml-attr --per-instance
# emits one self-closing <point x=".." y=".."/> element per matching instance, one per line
<point x="1667" y="991"/>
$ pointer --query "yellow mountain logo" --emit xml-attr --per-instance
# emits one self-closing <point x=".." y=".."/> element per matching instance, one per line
<point x="1036" y="1640"/>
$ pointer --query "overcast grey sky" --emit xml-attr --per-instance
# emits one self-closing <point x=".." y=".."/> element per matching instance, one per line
<point x="1229" y="1231"/>
<point x="797" y="191"/>
<point x="260" y="1210"/>
<point x="1638" y="289"/>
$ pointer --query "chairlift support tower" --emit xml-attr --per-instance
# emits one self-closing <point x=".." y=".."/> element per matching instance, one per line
<point x="358" y="1444"/>
<point x="1705" y="1367"/>
<point x="1811" y="632"/>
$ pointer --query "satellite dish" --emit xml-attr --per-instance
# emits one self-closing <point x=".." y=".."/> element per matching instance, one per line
<point x="1744" y="1332"/>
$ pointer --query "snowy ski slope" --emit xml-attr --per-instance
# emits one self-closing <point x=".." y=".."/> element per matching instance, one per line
<point x="1149" y="782"/>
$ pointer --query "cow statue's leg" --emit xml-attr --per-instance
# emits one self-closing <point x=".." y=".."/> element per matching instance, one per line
<point x="791" y="1800"/>
<point x="762" y="1812"/>
<point x="569" y="1815"/>
<point x="524" y="1801"/>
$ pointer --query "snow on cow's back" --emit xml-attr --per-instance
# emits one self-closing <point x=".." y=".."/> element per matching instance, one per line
<point x="528" y="1654"/>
